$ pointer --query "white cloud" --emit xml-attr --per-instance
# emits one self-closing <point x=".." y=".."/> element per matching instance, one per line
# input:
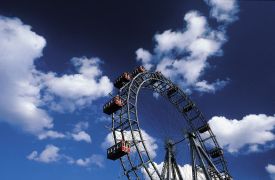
<point x="149" y="141"/>
<point x="51" y="134"/>
<point x="183" y="55"/>
<point x="51" y="154"/>
<point x="79" y="134"/>
<point x="223" y="10"/>
<point x="80" y="89"/>
<point x="204" y="86"/>
<point x="95" y="159"/>
<point x="193" y="45"/>
<point x="180" y="40"/>
<point x="145" y="57"/>
<point x="270" y="168"/>
<point x="20" y="92"/>
<point x="82" y="136"/>
<point x="251" y="130"/>
<point x="81" y="126"/>
<point x="186" y="172"/>
<point x="48" y="155"/>
<point x="26" y="92"/>
<point x="254" y="148"/>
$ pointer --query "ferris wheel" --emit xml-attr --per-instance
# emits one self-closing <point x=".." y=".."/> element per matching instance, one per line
<point x="130" y="146"/>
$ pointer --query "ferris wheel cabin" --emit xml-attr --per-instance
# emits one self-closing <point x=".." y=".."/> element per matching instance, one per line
<point x="112" y="106"/>
<point x="138" y="70"/>
<point x="122" y="80"/>
<point x="118" y="150"/>
<point x="126" y="77"/>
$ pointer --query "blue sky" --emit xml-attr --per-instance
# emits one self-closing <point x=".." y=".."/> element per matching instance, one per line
<point x="58" y="61"/>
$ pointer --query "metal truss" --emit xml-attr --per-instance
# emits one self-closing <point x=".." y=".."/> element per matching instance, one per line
<point x="170" y="169"/>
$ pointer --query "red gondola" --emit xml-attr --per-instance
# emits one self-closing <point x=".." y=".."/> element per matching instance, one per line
<point x="122" y="80"/>
<point x="138" y="70"/>
<point x="118" y="150"/>
<point x="112" y="106"/>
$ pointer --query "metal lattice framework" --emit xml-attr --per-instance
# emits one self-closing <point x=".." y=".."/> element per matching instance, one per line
<point x="125" y="121"/>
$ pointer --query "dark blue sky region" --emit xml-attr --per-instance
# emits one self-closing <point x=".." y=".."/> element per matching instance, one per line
<point x="113" y="31"/>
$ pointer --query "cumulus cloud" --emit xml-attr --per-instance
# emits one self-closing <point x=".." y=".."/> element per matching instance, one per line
<point x="185" y="170"/>
<point x="252" y="131"/>
<point x="183" y="55"/>
<point x="52" y="154"/>
<point x="48" y="155"/>
<point x="20" y="91"/>
<point x="95" y="159"/>
<point x="223" y="10"/>
<point x="145" y="57"/>
<point x="79" y="134"/>
<point x="254" y="148"/>
<point x="194" y="46"/>
<point x="51" y="134"/>
<point x="26" y="92"/>
<point x="204" y="86"/>
<point x="149" y="141"/>
<point x="82" y="125"/>
<point x="270" y="168"/>
<point x="82" y="136"/>
<point x="80" y="89"/>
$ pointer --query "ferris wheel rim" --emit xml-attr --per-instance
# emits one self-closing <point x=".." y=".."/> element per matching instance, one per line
<point x="133" y="136"/>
